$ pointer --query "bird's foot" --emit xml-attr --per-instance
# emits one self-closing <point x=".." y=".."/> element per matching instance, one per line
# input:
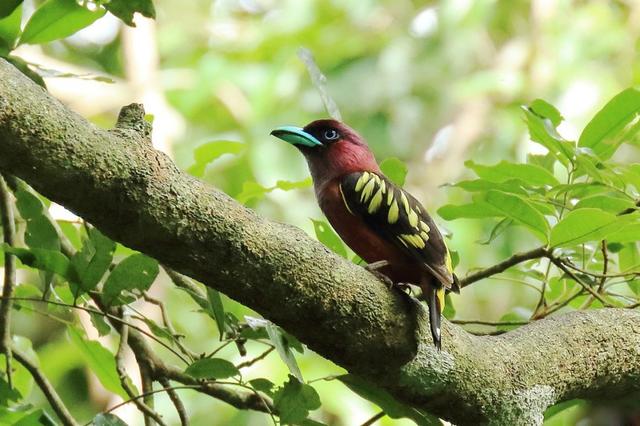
<point x="374" y="267"/>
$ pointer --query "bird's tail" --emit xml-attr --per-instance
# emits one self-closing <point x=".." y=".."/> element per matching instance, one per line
<point x="435" y="300"/>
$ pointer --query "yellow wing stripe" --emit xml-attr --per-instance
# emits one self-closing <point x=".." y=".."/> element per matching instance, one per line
<point x="362" y="180"/>
<point x="413" y="218"/>
<point x="390" y="197"/>
<point x="367" y="190"/>
<point x="413" y="239"/>
<point x="376" y="200"/>
<point x="405" y="202"/>
<point x="394" y="211"/>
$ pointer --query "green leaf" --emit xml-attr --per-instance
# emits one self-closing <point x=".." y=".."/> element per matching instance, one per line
<point x="449" y="311"/>
<point x="392" y="407"/>
<point x="629" y="257"/>
<point x="100" y="324"/>
<point x="542" y="131"/>
<point x="24" y="68"/>
<point x="483" y="185"/>
<point x="609" y="203"/>
<point x="94" y="259"/>
<point x="544" y="109"/>
<point x="294" y="400"/>
<point x="394" y="169"/>
<point x="283" y="348"/>
<point x="286" y="185"/>
<point x="8" y="393"/>
<point x="326" y="235"/>
<point x="253" y="190"/>
<point x="45" y="260"/>
<point x="36" y="418"/>
<point x="584" y="225"/>
<point x="210" y="151"/>
<point x="217" y="308"/>
<point x="107" y="419"/>
<point x="9" y="29"/>
<point x="562" y="410"/>
<point x="41" y="233"/>
<point x="136" y="272"/>
<point x="515" y="316"/>
<point x="504" y="171"/>
<point x="263" y="385"/>
<point x="212" y="368"/>
<point x="497" y="231"/>
<point x="603" y="133"/>
<point x="7" y="7"/>
<point x="516" y="208"/>
<point x="125" y="9"/>
<point x="99" y="359"/>
<point x="626" y="234"/>
<point x="56" y="19"/>
<point x="476" y="210"/>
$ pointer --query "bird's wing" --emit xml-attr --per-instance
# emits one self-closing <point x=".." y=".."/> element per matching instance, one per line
<point x="398" y="217"/>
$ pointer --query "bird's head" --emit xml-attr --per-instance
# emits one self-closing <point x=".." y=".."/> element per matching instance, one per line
<point x="332" y="149"/>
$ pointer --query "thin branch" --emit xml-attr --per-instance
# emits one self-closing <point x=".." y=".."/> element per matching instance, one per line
<point x="125" y="380"/>
<point x="108" y="315"/>
<point x="9" y="232"/>
<point x="374" y="419"/>
<point x="558" y="262"/>
<point x="253" y="400"/>
<point x="175" y="399"/>
<point x="260" y="357"/>
<point x="146" y="373"/>
<point x="167" y="323"/>
<point x="143" y="395"/>
<point x="503" y="266"/>
<point x="46" y="387"/>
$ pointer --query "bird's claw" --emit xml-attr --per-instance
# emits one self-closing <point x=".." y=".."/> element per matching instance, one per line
<point x="374" y="267"/>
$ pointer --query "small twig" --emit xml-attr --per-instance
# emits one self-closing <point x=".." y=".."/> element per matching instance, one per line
<point x="558" y="262"/>
<point x="503" y="266"/>
<point x="46" y="387"/>
<point x="9" y="232"/>
<point x="320" y="82"/>
<point x="147" y="387"/>
<point x="108" y="315"/>
<point x="167" y="323"/>
<point x="250" y="362"/>
<point x="125" y="380"/>
<point x="143" y="395"/>
<point x="542" y="301"/>
<point x="374" y="419"/>
<point x="175" y="399"/>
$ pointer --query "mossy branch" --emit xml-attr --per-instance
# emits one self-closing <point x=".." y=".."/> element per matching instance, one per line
<point x="136" y="195"/>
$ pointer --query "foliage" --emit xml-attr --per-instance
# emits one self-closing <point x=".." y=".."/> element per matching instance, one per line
<point x="577" y="195"/>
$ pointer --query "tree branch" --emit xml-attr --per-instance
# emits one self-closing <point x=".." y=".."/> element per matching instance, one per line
<point x="46" y="387"/>
<point x="9" y="235"/>
<point x="136" y="195"/>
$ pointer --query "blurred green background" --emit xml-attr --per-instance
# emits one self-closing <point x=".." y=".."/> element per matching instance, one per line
<point x="433" y="83"/>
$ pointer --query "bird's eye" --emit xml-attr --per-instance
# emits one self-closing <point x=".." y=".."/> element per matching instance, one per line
<point x="331" y="134"/>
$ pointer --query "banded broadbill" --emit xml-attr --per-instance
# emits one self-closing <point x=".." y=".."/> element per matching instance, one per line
<point x="380" y="221"/>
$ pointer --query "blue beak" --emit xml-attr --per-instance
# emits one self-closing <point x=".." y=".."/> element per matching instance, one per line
<point x="295" y="136"/>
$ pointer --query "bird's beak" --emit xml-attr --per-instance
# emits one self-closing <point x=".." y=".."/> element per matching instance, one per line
<point x="295" y="136"/>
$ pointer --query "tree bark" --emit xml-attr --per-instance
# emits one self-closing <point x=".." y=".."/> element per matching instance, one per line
<point x="116" y="180"/>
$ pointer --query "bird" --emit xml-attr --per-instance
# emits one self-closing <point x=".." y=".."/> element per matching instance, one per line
<point x="380" y="221"/>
